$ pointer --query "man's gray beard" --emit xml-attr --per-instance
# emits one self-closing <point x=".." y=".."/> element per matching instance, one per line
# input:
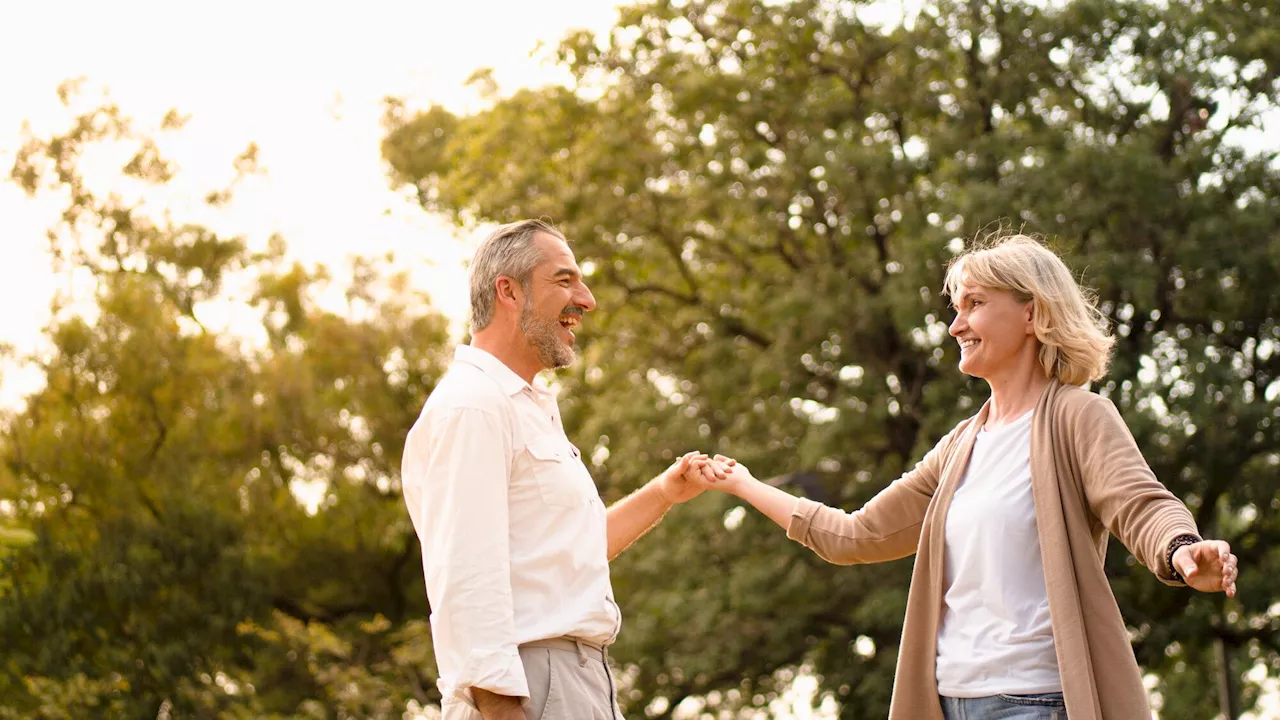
<point x="542" y="335"/>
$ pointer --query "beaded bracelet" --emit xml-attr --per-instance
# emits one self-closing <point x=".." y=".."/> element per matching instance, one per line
<point x="1177" y="542"/>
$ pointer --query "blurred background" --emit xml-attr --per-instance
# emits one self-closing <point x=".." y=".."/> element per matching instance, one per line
<point x="233" y="269"/>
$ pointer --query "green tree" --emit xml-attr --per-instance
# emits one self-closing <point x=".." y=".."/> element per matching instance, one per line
<point x="764" y="196"/>
<point x="173" y="570"/>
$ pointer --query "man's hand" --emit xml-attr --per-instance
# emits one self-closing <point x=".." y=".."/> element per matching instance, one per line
<point x="497" y="707"/>
<point x="1208" y="566"/>
<point x="688" y="477"/>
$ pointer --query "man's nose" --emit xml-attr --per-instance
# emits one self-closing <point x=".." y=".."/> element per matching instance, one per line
<point x="584" y="299"/>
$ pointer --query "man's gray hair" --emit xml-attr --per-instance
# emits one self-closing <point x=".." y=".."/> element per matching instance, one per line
<point x="509" y="251"/>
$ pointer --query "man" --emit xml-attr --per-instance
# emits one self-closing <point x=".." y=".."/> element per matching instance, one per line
<point x="515" y="538"/>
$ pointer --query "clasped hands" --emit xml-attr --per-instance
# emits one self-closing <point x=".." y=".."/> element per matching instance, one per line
<point x="695" y="473"/>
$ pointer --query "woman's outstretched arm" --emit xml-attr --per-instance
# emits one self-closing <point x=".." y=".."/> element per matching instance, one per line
<point x="886" y="528"/>
<point x="778" y="505"/>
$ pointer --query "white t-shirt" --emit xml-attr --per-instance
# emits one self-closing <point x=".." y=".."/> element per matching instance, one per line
<point x="995" y="635"/>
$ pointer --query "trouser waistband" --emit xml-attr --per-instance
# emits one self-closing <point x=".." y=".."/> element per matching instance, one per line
<point x="586" y="650"/>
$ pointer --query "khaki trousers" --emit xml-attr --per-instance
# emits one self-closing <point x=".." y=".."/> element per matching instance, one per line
<point x="569" y="679"/>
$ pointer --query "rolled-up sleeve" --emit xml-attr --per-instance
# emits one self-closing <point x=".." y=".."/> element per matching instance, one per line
<point x="463" y="469"/>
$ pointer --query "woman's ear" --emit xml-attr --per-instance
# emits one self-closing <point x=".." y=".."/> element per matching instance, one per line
<point x="1029" y="315"/>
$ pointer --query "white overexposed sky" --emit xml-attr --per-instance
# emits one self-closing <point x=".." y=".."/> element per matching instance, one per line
<point x="306" y="82"/>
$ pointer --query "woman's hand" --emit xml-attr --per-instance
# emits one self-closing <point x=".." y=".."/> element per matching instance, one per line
<point x="733" y="476"/>
<point x="776" y="504"/>
<point x="1208" y="566"/>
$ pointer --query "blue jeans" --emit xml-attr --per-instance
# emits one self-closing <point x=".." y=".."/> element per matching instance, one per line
<point x="1045" y="706"/>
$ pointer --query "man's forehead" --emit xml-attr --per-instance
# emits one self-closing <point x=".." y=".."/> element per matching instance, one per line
<point x="555" y="252"/>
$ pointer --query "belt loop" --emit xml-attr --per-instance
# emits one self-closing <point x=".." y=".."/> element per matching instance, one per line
<point x="582" y="652"/>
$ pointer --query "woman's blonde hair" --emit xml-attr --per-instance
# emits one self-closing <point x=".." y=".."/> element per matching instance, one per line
<point x="1075" y="344"/>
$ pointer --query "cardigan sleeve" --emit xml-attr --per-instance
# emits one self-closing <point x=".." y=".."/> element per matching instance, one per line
<point x="886" y="528"/>
<point x="1122" y="490"/>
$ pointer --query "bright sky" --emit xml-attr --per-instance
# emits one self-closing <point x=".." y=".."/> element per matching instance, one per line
<point x="304" y="83"/>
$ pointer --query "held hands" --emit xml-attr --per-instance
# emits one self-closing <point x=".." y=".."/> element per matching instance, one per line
<point x="689" y="476"/>
<point x="1208" y="566"/>
<point x="695" y="473"/>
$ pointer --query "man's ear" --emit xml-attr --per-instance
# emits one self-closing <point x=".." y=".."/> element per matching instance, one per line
<point x="509" y="292"/>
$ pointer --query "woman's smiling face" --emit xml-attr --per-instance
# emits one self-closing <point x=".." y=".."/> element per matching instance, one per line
<point x="993" y="329"/>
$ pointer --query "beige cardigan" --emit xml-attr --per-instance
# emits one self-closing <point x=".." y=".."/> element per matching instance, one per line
<point x="1088" y="478"/>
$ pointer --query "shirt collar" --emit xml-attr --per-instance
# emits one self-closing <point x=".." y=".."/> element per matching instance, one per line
<point x="507" y="379"/>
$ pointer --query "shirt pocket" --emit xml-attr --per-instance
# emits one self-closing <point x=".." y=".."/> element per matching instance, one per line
<point x="554" y="470"/>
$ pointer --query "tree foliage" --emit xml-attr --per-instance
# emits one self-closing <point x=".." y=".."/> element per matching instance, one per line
<point x="170" y="568"/>
<point x="764" y="196"/>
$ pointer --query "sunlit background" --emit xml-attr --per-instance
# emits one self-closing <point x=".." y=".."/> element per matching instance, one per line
<point x="307" y="85"/>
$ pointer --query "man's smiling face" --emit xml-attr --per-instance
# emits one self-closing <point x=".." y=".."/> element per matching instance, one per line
<point x="555" y="304"/>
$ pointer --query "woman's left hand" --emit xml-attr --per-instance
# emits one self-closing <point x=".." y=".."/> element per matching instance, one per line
<point x="1208" y="566"/>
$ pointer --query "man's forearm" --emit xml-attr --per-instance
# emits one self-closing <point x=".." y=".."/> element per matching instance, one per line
<point x="635" y="515"/>
<point x="497" y="707"/>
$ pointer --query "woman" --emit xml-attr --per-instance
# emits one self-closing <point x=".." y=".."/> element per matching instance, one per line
<point x="1010" y="614"/>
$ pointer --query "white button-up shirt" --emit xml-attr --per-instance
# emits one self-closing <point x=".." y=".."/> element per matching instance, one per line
<point x="514" y="544"/>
